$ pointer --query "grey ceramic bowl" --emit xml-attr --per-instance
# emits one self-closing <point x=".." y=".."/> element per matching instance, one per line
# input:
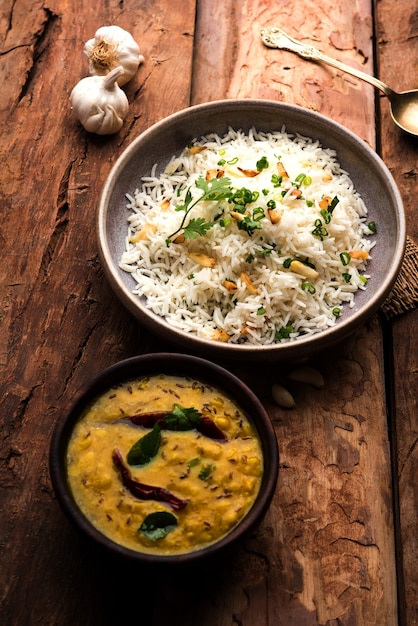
<point x="168" y="137"/>
<point x="174" y="365"/>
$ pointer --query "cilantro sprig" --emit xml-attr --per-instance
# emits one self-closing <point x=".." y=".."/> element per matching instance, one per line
<point x="213" y="190"/>
<point x="181" y="418"/>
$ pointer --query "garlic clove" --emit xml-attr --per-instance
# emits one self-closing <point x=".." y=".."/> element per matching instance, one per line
<point x="99" y="103"/>
<point x="282" y="396"/>
<point x="110" y="47"/>
<point x="105" y="122"/>
<point x="308" y="375"/>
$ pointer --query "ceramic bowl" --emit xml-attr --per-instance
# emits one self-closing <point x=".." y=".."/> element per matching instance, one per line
<point x="168" y="137"/>
<point x="182" y="366"/>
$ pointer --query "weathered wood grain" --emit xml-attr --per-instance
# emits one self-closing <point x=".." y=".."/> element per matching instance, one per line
<point x="398" y="67"/>
<point x="342" y="30"/>
<point x="324" y="555"/>
<point x="59" y="319"/>
<point x="335" y="548"/>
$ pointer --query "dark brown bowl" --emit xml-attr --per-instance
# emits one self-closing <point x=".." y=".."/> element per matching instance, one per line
<point x="178" y="365"/>
<point x="159" y="143"/>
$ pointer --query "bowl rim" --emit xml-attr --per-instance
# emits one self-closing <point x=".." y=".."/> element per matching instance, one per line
<point x="331" y="335"/>
<point x="164" y="362"/>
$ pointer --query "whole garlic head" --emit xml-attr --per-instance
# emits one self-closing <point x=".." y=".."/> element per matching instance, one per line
<point x="99" y="103"/>
<point x="110" y="47"/>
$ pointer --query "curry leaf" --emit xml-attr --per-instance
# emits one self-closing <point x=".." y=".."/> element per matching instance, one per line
<point x="145" y="448"/>
<point x="158" y="525"/>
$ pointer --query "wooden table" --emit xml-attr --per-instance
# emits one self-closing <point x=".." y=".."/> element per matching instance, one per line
<point x="339" y="545"/>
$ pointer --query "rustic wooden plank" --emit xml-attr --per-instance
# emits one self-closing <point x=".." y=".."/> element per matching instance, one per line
<point x="60" y="322"/>
<point x="342" y="30"/>
<point x="330" y="554"/>
<point x="324" y="554"/>
<point x="398" y="53"/>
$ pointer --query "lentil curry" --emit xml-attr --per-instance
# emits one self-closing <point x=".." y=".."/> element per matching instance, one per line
<point x="164" y="465"/>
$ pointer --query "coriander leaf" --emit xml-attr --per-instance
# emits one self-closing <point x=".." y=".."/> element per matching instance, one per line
<point x="206" y="471"/>
<point x="182" y="418"/>
<point x="284" y="332"/>
<point x="197" y="227"/>
<point x="262" y="164"/>
<point x="215" y="189"/>
<point x="145" y="448"/>
<point x="158" y="525"/>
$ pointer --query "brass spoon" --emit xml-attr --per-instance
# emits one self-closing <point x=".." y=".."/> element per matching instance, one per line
<point x="404" y="106"/>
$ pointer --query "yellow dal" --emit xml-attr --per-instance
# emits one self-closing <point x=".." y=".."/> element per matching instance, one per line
<point x="214" y="506"/>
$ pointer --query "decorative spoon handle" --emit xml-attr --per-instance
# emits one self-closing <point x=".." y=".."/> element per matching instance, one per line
<point x="277" y="38"/>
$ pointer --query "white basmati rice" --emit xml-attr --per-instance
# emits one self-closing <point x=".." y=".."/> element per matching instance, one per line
<point x="285" y="304"/>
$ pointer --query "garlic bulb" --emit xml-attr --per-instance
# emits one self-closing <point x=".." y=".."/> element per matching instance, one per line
<point x="113" y="46"/>
<point x="99" y="103"/>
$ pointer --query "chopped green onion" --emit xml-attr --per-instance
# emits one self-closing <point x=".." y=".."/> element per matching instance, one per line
<point x="345" y="258"/>
<point x="299" y="179"/>
<point x="308" y="287"/>
<point x="261" y="310"/>
<point x="258" y="211"/>
<point x="319" y="231"/>
<point x="333" y="204"/>
<point x="347" y="277"/>
<point x="303" y="179"/>
<point x="233" y="161"/>
<point x="363" y="279"/>
<point x="222" y="152"/>
<point x="287" y="262"/>
<point x="221" y="162"/>
<point x="242" y="197"/>
<point x="336" y="311"/>
<point x="276" y="180"/>
<point x="372" y="226"/>
<point x="326" y="215"/>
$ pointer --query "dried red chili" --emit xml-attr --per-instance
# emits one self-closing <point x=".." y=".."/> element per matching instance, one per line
<point x="143" y="491"/>
<point x="180" y="419"/>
